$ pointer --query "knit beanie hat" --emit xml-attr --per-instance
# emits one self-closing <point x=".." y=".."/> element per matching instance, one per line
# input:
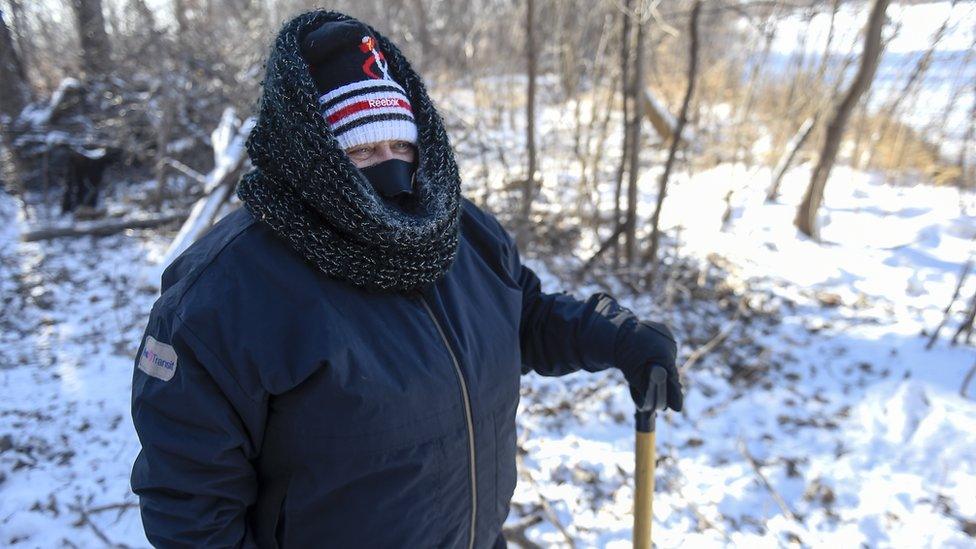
<point x="359" y="100"/>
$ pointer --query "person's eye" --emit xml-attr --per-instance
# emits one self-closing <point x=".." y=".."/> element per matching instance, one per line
<point x="402" y="146"/>
<point x="361" y="152"/>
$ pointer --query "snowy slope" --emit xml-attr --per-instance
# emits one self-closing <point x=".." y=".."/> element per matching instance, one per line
<point x="859" y="431"/>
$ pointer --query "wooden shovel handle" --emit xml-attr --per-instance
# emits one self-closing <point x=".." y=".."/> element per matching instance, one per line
<point x="644" y="490"/>
<point x="644" y="420"/>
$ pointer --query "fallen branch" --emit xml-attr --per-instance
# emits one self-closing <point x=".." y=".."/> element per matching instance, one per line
<point x="965" y="382"/>
<point x="607" y="244"/>
<point x="229" y="155"/>
<point x="186" y="170"/>
<point x="515" y="533"/>
<point x="693" y="507"/>
<point x="698" y="353"/>
<point x="547" y="510"/>
<point x="84" y="517"/>
<point x="102" y="227"/>
<point x="113" y="506"/>
<point x="786" y="160"/>
<point x="765" y="482"/>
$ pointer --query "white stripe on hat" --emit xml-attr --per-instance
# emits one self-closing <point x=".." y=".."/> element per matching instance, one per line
<point x="378" y="131"/>
<point x="361" y="85"/>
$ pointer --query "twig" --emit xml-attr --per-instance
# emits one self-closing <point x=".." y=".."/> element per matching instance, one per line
<point x="186" y="170"/>
<point x="695" y="510"/>
<point x="967" y="323"/>
<point x="772" y="491"/>
<point x="547" y="509"/>
<point x="965" y="382"/>
<point x="609" y="242"/>
<point x="112" y="506"/>
<point x="515" y="533"/>
<point x="84" y="518"/>
<point x="955" y="295"/>
<point x="698" y="353"/>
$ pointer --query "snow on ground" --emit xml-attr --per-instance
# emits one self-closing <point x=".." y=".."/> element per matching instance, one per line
<point x="858" y="430"/>
<point x="70" y="323"/>
<point x="861" y="433"/>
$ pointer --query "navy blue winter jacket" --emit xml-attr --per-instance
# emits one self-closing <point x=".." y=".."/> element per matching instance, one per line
<point x="279" y="407"/>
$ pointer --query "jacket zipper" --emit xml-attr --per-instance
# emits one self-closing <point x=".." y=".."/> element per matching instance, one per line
<point x="467" y="416"/>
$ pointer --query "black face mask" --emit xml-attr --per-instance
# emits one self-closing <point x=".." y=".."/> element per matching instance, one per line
<point x="392" y="179"/>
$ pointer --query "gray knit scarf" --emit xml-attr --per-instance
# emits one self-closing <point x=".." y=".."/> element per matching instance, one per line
<point x="311" y="194"/>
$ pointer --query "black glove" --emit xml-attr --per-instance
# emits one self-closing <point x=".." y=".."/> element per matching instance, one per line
<point x="650" y="344"/>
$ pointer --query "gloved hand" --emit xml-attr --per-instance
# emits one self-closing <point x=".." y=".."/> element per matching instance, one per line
<point x="650" y="344"/>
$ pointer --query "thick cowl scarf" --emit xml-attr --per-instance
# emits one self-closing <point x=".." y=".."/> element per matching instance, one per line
<point x="309" y="192"/>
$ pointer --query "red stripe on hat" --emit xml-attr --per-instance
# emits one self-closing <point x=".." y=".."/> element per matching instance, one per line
<point x="382" y="103"/>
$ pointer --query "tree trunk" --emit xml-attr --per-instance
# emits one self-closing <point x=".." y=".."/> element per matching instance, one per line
<point x="14" y="91"/>
<point x="793" y="147"/>
<point x="149" y="20"/>
<point x="633" y="171"/>
<point x="24" y="40"/>
<point x="179" y="13"/>
<point x="625" y="106"/>
<point x="423" y="32"/>
<point x="745" y="108"/>
<point x="967" y="166"/>
<point x="806" y="214"/>
<point x="675" y="141"/>
<point x="528" y="190"/>
<point x="95" y="47"/>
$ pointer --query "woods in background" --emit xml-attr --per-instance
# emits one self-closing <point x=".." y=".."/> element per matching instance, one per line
<point x="643" y="84"/>
<point x="789" y="184"/>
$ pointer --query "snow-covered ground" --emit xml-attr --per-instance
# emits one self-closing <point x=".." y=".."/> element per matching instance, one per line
<point x="70" y="322"/>
<point x="859" y="431"/>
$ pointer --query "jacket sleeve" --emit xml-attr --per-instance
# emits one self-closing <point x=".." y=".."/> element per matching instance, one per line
<point x="560" y="334"/>
<point x="199" y="432"/>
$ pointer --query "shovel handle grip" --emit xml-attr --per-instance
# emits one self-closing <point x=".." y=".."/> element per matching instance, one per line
<point x="656" y="398"/>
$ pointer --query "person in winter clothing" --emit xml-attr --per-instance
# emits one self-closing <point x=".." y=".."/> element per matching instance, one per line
<point x="337" y="363"/>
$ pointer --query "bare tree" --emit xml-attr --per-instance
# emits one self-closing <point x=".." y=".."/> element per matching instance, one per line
<point x="14" y="95"/>
<point x="423" y="31"/>
<point x="675" y="141"/>
<point x="14" y="91"/>
<point x="95" y="47"/>
<point x="179" y="13"/>
<point x="626" y="100"/>
<point x="893" y="107"/>
<point x="633" y="171"/>
<point x="806" y="214"/>
<point x="24" y="40"/>
<point x="531" y="55"/>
